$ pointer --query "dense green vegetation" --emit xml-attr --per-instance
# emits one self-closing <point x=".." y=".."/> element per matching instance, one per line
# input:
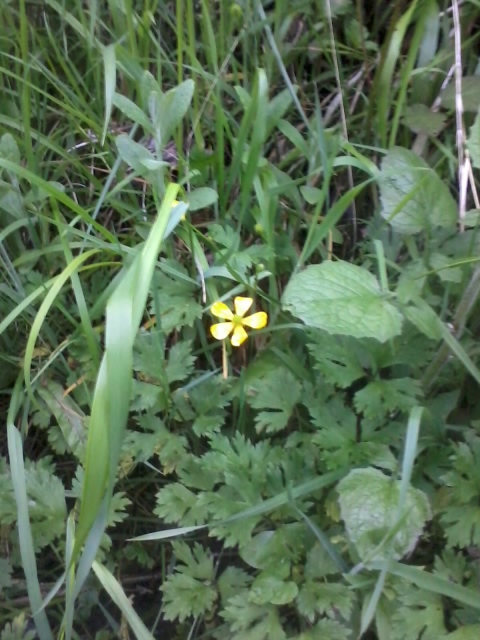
<point x="307" y="173"/>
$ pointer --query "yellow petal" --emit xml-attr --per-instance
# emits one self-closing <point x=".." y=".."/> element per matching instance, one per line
<point x="256" y="320"/>
<point x="221" y="330"/>
<point x="220" y="310"/>
<point x="239" y="335"/>
<point x="242" y="305"/>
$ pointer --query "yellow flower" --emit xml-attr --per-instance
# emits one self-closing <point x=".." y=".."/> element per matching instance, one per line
<point x="174" y="204"/>
<point x="236" y="323"/>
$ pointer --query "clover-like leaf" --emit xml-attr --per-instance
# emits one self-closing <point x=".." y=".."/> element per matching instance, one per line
<point x="341" y="298"/>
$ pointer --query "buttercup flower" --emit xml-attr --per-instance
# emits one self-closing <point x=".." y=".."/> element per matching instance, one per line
<point x="236" y="323"/>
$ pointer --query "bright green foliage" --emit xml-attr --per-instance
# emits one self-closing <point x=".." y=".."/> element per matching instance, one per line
<point x="326" y="630"/>
<point x="341" y="298"/>
<point x="17" y="630"/>
<point x="69" y="432"/>
<point x="369" y="503"/>
<point x="382" y="397"/>
<point x="340" y="360"/>
<point x="5" y="574"/>
<point x="270" y="588"/>
<point x="465" y="633"/>
<point x="333" y="203"/>
<point x="248" y="620"/>
<point x="190" y="590"/>
<point x="414" y="198"/>
<point x="462" y="515"/>
<point x="419" y="614"/>
<point x="46" y="496"/>
<point x="420" y="119"/>
<point x="176" y="298"/>
<point x="278" y="391"/>
<point x="324" y="598"/>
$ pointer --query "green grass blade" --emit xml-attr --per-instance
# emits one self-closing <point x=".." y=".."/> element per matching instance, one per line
<point x="282" y="499"/>
<point x="44" y="308"/>
<point x="433" y="583"/>
<point x="112" y="392"/>
<point x="117" y="594"/>
<point x="27" y="553"/>
<point x="410" y="451"/>
<point x="110" y="70"/>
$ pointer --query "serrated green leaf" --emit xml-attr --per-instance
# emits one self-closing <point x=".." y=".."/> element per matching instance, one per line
<point x="279" y="392"/>
<point x="252" y="621"/>
<point x="326" y="630"/>
<point x="414" y="197"/>
<point x="339" y="360"/>
<point x="342" y="298"/>
<point x="369" y="505"/>
<point x="420" y="614"/>
<point x="191" y="590"/>
<point x="270" y="589"/>
<point x="381" y="397"/>
<point x="232" y="581"/>
<point x="324" y="598"/>
<point x="180" y="362"/>
<point x="17" y="630"/>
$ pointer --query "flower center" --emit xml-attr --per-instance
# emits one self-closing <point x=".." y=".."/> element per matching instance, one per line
<point x="237" y="321"/>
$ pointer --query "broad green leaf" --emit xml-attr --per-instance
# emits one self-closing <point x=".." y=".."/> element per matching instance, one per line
<point x="201" y="198"/>
<point x="473" y="141"/>
<point x="9" y="148"/>
<point x="470" y="94"/>
<point x="414" y="197"/>
<point x="472" y="632"/>
<point x="420" y="119"/>
<point x="425" y="319"/>
<point x="446" y="273"/>
<point x="341" y="298"/>
<point x="278" y="106"/>
<point x="133" y="153"/>
<point x="132" y="111"/>
<point x="174" y="106"/>
<point x="312" y="195"/>
<point x="369" y="505"/>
